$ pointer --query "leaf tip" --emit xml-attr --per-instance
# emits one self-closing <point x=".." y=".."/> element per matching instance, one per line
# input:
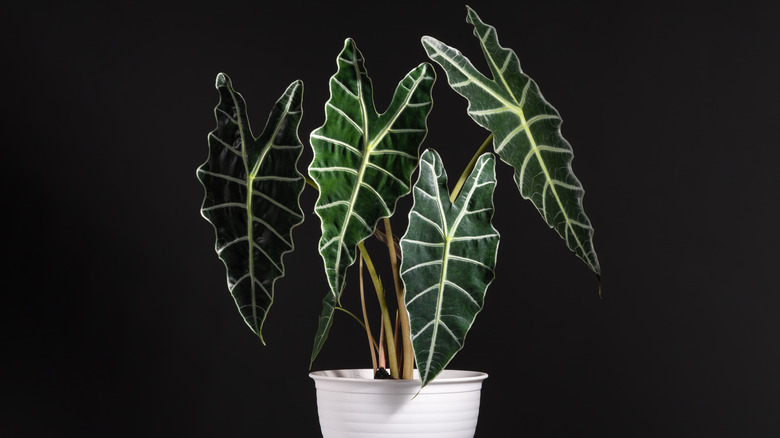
<point x="350" y="52"/>
<point x="425" y="67"/>
<point x="222" y="80"/>
<point x="260" y="335"/>
<point x="428" y="41"/>
<point x="296" y="87"/>
<point x="470" y="14"/>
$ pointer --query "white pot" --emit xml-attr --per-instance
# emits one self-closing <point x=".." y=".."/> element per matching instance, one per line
<point x="352" y="404"/>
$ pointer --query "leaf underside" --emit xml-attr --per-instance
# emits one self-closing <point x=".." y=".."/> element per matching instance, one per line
<point x="363" y="162"/>
<point x="252" y="196"/>
<point x="526" y="130"/>
<point x="449" y="257"/>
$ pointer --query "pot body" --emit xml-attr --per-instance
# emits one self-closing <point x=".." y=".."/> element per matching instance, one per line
<point x="352" y="404"/>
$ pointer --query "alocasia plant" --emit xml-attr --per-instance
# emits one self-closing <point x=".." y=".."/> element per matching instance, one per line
<point x="363" y="163"/>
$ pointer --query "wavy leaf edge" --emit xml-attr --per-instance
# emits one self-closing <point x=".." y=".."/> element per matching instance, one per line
<point x="430" y="166"/>
<point x="435" y="48"/>
<point x="293" y="93"/>
<point x="405" y="117"/>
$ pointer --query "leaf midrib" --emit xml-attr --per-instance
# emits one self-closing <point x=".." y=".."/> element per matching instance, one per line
<point x="443" y="277"/>
<point x="361" y="172"/>
<point x="368" y="146"/>
<point x="250" y="194"/>
<point x="449" y="234"/>
<point x="248" y="206"/>
<point x="519" y="111"/>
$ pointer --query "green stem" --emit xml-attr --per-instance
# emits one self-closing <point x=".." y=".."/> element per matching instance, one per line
<point x="311" y="182"/>
<point x="382" y="346"/>
<point x="350" y="314"/>
<point x="469" y="168"/>
<point x="371" y="340"/>
<point x="385" y="314"/>
<point x="355" y="317"/>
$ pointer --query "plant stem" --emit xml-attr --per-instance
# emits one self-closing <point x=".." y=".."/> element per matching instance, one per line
<point x="403" y="315"/>
<point x="380" y="294"/>
<point x="365" y="319"/>
<point x="381" y="347"/>
<point x="398" y="344"/>
<point x="469" y="168"/>
<point x="311" y="182"/>
<point x="350" y="314"/>
<point x="341" y="309"/>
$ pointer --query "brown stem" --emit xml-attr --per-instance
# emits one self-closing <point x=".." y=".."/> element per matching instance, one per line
<point x="398" y="345"/>
<point x="382" y="360"/>
<point x="365" y="319"/>
<point x="380" y="294"/>
<point x="402" y="315"/>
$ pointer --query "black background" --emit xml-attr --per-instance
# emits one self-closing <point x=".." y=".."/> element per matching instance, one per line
<point x="116" y="319"/>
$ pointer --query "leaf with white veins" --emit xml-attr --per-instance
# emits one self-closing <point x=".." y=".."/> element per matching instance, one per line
<point x="363" y="161"/>
<point x="252" y="196"/>
<point x="449" y="257"/>
<point x="526" y="130"/>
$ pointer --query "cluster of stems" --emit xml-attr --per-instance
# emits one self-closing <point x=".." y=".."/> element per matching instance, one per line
<point x="393" y="347"/>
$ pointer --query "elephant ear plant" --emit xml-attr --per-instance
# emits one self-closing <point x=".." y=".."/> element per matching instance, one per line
<point x="363" y="163"/>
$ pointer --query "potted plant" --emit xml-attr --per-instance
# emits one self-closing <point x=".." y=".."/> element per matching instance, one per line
<point x="363" y="164"/>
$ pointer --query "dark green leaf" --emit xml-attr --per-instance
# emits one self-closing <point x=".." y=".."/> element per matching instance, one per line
<point x="363" y="160"/>
<point x="526" y="131"/>
<point x="449" y="257"/>
<point x="252" y="195"/>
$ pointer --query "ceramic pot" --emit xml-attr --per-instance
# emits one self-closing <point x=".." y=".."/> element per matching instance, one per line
<point x="352" y="404"/>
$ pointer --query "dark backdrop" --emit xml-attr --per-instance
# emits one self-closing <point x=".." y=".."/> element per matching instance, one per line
<point x="116" y="319"/>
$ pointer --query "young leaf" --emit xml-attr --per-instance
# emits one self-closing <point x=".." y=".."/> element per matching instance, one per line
<point x="252" y="195"/>
<point x="323" y="328"/>
<point x="363" y="161"/>
<point x="526" y="131"/>
<point x="449" y="257"/>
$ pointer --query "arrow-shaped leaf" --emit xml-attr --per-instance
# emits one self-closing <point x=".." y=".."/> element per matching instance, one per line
<point x="252" y="195"/>
<point x="363" y="161"/>
<point x="449" y="255"/>
<point x="526" y="131"/>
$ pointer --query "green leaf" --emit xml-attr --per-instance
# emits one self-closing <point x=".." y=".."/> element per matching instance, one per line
<point x="323" y="328"/>
<point x="449" y="257"/>
<point x="252" y="197"/>
<point x="526" y="131"/>
<point x="363" y="161"/>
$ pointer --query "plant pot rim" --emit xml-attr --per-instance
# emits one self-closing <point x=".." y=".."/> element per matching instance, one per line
<point x="364" y="374"/>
